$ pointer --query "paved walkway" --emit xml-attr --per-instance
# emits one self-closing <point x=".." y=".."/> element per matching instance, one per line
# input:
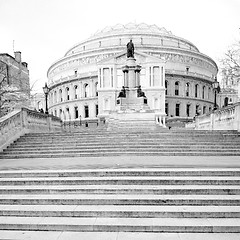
<point x="120" y="162"/>
<point x="32" y="235"/>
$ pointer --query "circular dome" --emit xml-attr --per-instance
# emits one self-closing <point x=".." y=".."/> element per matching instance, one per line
<point x="149" y="34"/>
<point x="130" y="28"/>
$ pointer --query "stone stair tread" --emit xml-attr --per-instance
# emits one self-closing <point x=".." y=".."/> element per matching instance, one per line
<point x="139" y="178"/>
<point x="117" y="196"/>
<point x="172" y="169"/>
<point x="130" y="187"/>
<point x="93" y="221"/>
<point x="120" y="208"/>
<point x="59" y="235"/>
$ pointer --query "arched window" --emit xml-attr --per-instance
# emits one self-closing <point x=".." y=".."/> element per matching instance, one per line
<point x="96" y="91"/>
<point x="209" y="90"/>
<point x="86" y="90"/>
<point x="187" y="89"/>
<point x="166" y="87"/>
<point x="225" y="101"/>
<point x="75" y="91"/>
<point x="196" y="90"/>
<point x="176" y="88"/>
<point x="67" y="93"/>
<point x="203" y="92"/>
<point x="60" y="95"/>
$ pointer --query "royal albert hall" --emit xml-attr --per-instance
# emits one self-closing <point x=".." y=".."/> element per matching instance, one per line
<point x="186" y="79"/>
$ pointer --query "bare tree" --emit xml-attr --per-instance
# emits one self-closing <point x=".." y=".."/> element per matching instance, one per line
<point x="230" y="65"/>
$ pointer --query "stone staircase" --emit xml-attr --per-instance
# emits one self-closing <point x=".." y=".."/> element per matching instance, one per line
<point x="157" y="200"/>
<point x="162" y="142"/>
<point x="112" y="202"/>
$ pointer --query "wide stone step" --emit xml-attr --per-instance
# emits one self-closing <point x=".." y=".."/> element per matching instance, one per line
<point x="54" y="147"/>
<point x="116" y="153"/>
<point x="122" y="189"/>
<point x="166" y="180"/>
<point x="122" y="172"/>
<point x="191" y="225"/>
<point x="123" y="211"/>
<point x="120" y="199"/>
<point x="138" y="149"/>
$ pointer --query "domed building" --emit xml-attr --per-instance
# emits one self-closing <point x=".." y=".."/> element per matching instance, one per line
<point x="85" y="83"/>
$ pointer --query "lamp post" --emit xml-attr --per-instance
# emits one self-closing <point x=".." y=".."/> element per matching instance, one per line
<point x="46" y="91"/>
<point x="216" y="87"/>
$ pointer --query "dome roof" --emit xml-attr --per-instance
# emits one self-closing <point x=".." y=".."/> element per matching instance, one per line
<point x="131" y="28"/>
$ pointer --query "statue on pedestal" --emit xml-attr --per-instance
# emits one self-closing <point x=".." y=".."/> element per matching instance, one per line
<point x="130" y="49"/>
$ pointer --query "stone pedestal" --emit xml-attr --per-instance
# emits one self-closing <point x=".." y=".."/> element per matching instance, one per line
<point x="132" y="110"/>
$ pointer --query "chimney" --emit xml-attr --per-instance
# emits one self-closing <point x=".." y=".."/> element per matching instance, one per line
<point x="18" y="56"/>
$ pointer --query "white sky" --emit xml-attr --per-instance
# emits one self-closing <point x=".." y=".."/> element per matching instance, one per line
<point x="43" y="30"/>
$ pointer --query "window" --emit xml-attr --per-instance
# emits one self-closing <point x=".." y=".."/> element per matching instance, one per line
<point x="177" y="110"/>
<point x="210" y="109"/>
<point x="187" y="70"/>
<point x="197" y="110"/>
<point x="204" y="109"/>
<point x="106" y="77"/>
<point x="96" y="91"/>
<point x="166" y="87"/>
<point x="96" y="108"/>
<point x="203" y="92"/>
<point x="188" y="110"/>
<point x="75" y="72"/>
<point x="176" y="88"/>
<point x="196" y="90"/>
<point x="86" y="90"/>
<point x="60" y="95"/>
<point x="76" y="112"/>
<point x="156" y="76"/>
<point x="187" y="89"/>
<point x="75" y="92"/>
<point x="86" y="111"/>
<point x="166" y="108"/>
<point x="209" y="90"/>
<point x="67" y="93"/>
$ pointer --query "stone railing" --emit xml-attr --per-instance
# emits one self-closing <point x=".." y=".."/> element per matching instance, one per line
<point x="227" y="118"/>
<point x="20" y="122"/>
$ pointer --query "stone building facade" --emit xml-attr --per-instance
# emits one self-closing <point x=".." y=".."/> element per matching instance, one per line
<point x="14" y="74"/>
<point x="188" y="74"/>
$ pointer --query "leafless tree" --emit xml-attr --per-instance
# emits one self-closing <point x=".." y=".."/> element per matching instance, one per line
<point x="230" y="64"/>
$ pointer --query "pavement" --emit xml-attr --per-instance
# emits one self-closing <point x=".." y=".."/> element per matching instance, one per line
<point x="34" y="235"/>
<point x="121" y="162"/>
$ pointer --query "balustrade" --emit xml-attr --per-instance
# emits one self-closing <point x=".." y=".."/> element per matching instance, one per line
<point x="22" y="121"/>
<point x="227" y="118"/>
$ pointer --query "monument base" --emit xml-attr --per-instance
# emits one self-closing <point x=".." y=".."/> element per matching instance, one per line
<point x="130" y="120"/>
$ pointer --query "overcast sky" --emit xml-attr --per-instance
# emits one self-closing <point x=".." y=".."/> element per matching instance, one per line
<point x="43" y="30"/>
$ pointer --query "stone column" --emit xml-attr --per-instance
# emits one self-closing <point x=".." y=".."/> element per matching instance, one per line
<point x="137" y="75"/>
<point x="125" y="72"/>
